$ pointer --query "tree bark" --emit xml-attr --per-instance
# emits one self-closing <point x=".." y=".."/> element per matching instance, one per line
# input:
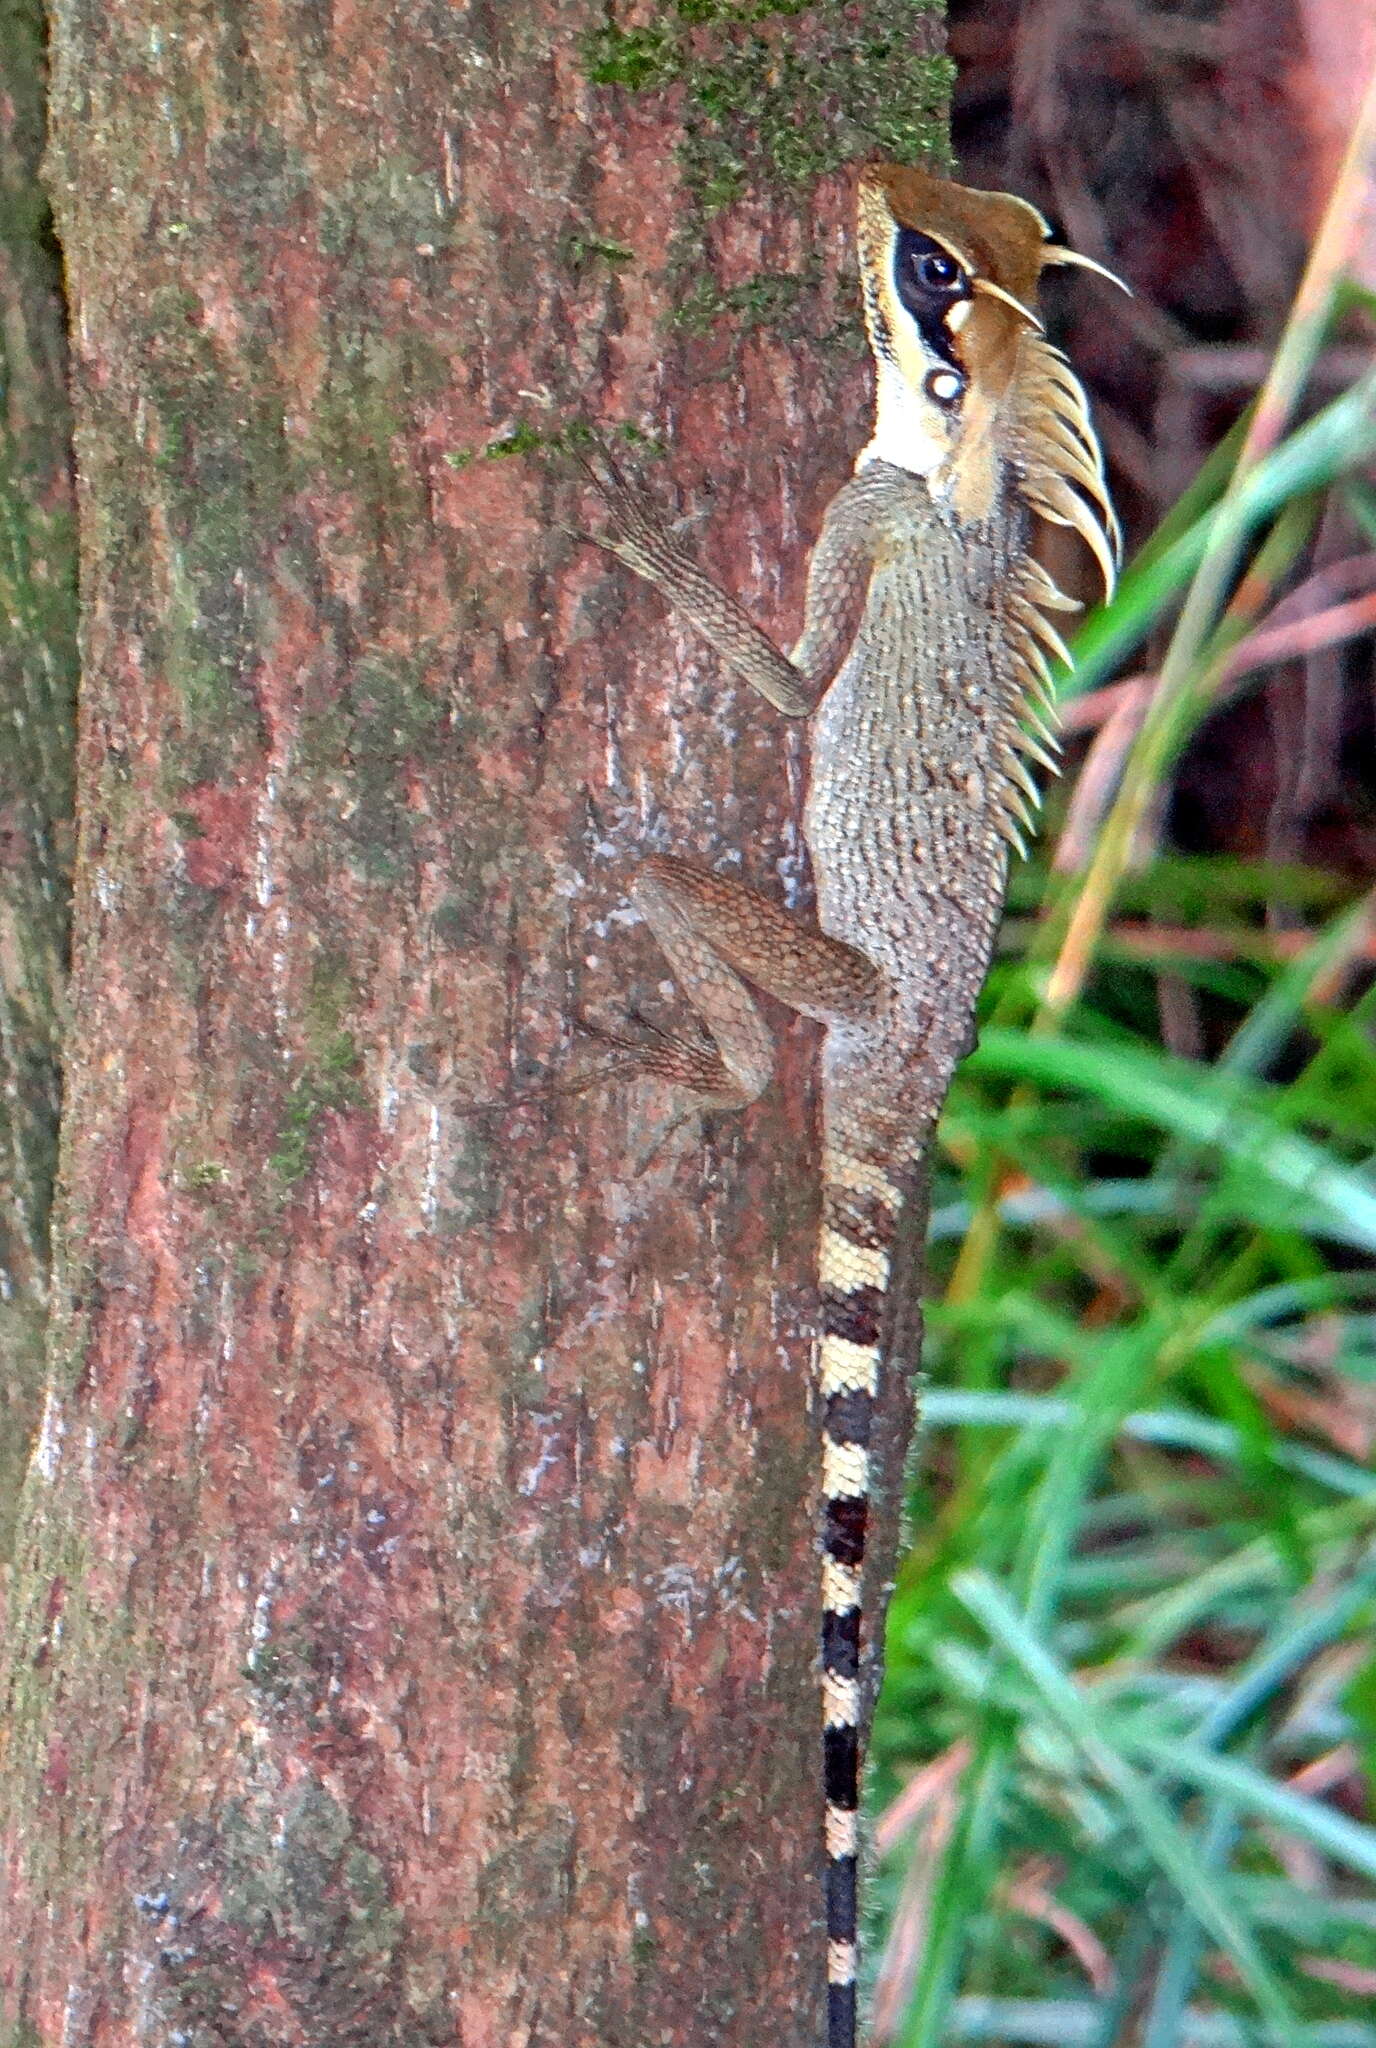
<point x="37" y="719"/>
<point x="415" y="1607"/>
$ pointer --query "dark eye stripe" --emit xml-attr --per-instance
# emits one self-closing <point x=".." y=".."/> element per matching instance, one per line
<point x="928" y="303"/>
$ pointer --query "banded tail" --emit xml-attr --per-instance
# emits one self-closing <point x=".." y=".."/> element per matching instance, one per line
<point x="860" y="1205"/>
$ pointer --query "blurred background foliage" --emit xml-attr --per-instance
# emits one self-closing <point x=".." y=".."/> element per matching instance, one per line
<point x="1127" y="1746"/>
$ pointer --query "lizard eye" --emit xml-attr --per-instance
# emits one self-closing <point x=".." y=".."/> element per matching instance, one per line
<point x="937" y="270"/>
<point x="928" y="278"/>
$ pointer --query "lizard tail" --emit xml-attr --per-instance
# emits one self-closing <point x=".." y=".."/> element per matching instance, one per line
<point x="859" y="1208"/>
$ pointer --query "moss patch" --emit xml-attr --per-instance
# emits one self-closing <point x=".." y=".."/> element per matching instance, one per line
<point x="357" y="746"/>
<point x="327" y="1083"/>
<point x="772" y="298"/>
<point x="328" y="1080"/>
<point x="777" y="93"/>
<point x="57" y="1635"/>
<point x="293" y="1882"/>
<point x="571" y="439"/>
<point x="221" y="469"/>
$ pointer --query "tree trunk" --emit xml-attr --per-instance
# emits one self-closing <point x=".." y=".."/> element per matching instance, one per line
<point x="415" y="1601"/>
<point x="37" y="693"/>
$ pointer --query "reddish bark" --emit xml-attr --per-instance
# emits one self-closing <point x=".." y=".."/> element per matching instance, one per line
<point x="416" y="1607"/>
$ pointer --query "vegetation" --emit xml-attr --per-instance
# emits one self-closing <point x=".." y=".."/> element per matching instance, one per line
<point x="782" y="110"/>
<point x="1127" y="1748"/>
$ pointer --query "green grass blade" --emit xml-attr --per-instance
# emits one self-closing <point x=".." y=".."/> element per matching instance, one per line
<point x="1197" y="1104"/>
<point x="1176" y="1429"/>
<point x="1073" y="2023"/>
<point x="1346" y="1841"/>
<point x="1165" y="1841"/>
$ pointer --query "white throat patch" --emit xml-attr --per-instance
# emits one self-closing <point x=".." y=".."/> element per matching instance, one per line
<point x="904" y="424"/>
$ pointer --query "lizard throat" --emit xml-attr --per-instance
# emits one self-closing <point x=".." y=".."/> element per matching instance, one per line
<point x="907" y="431"/>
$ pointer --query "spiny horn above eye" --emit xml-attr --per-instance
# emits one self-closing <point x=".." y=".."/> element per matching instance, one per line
<point x="1056" y="252"/>
<point x="996" y="291"/>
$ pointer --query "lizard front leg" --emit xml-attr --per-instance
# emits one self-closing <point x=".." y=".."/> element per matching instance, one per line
<point x="839" y="571"/>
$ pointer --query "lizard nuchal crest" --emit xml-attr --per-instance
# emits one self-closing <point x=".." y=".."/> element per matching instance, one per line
<point x="922" y="668"/>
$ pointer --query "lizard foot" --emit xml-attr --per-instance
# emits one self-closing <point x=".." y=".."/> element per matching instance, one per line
<point x="638" y="533"/>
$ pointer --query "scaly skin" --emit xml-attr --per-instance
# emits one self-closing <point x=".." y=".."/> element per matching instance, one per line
<point x="920" y="668"/>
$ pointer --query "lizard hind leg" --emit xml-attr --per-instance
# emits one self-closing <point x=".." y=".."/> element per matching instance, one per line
<point x="714" y="931"/>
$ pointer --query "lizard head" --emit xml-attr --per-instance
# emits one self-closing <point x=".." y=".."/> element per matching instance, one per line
<point x="967" y="386"/>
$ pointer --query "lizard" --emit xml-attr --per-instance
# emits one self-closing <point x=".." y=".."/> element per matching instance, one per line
<point x="922" y="669"/>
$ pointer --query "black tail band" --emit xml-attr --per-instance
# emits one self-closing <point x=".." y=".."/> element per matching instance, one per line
<point x="843" y="1536"/>
<point x="840" y="2016"/>
<point x="857" y="1314"/>
<point x="841" y="1767"/>
<point x="841" y="1899"/>
<point x="863" y="1220"/>
<point x="850" y="1416"/>
<point x="841" y="1643"/>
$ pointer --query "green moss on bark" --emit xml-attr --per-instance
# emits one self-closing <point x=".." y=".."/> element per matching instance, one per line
<point x="782" y="94"/>
<point x="53" y="1618"/>
<point x="283" y="1877"/>
<point x="327" y="1083"/>
<point x="357" y="747"/>
<point x="38" y="664"/>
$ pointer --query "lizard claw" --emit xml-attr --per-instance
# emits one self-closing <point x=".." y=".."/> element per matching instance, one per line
<point x="600" y="1034"/>
<point x="580" y="534"/>
<point x="702" y="1041"/>
<point x="638" y="534"/>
